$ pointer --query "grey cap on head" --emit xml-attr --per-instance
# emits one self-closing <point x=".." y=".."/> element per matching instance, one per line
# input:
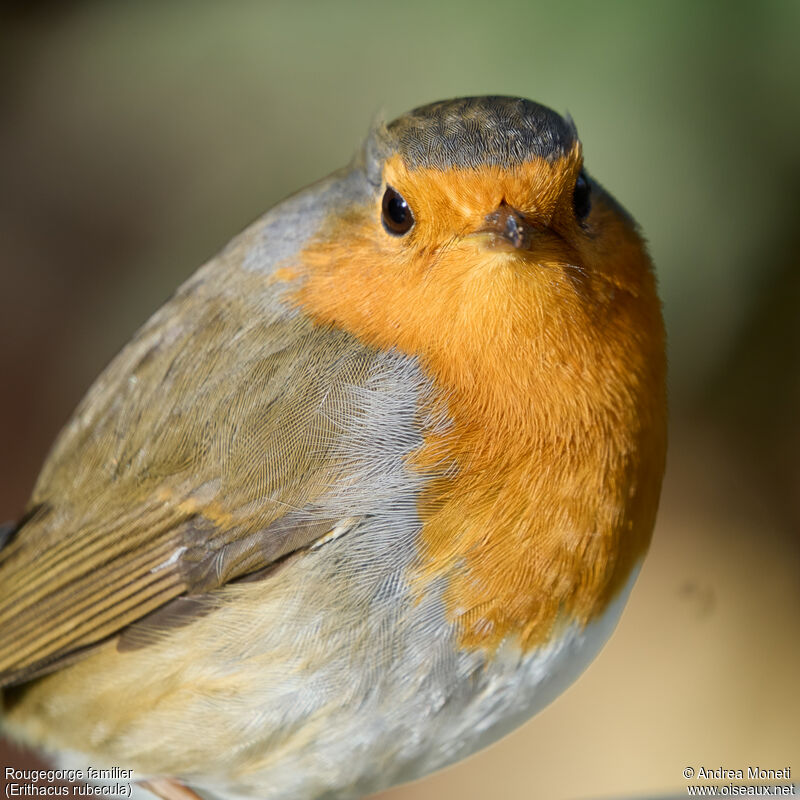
<point x="472" y="131"/>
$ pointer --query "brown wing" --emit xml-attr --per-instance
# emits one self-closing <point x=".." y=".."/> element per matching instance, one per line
<point x="193" y="460"/>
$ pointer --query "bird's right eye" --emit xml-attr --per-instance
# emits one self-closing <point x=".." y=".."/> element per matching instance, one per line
<point x="396" y="215"/>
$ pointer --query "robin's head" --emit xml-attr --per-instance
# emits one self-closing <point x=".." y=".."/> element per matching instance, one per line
<point x="481" y="222"/>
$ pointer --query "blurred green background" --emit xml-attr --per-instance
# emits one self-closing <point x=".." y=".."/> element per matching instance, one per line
<point x="137" y="138"/>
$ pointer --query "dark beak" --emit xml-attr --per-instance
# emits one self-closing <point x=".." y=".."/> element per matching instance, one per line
<point x="507" y="226"/>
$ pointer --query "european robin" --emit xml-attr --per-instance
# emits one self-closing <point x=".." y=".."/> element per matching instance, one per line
<point x="367" y="492"/>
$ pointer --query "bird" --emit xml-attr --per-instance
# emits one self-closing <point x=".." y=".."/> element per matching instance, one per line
<point x="370" y="489"/>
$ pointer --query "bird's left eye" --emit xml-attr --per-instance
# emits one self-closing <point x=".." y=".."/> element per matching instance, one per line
<point x="582" y="197"/>
<point x="396" y="215"/>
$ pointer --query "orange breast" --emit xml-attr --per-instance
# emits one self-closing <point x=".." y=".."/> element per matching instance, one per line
<point x="554" y="380"/>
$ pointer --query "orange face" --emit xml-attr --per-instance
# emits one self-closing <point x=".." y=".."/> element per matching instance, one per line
<point x="542" y="328"/>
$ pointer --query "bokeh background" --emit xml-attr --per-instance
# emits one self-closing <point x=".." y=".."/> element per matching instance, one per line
<point x="137" y="138"/>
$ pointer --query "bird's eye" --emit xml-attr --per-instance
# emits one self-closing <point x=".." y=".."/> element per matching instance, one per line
<point x="582" y="197"/>
<point x="397" y="216"/>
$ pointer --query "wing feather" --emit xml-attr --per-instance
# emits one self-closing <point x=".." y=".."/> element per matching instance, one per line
<point x="195" y="459"/>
